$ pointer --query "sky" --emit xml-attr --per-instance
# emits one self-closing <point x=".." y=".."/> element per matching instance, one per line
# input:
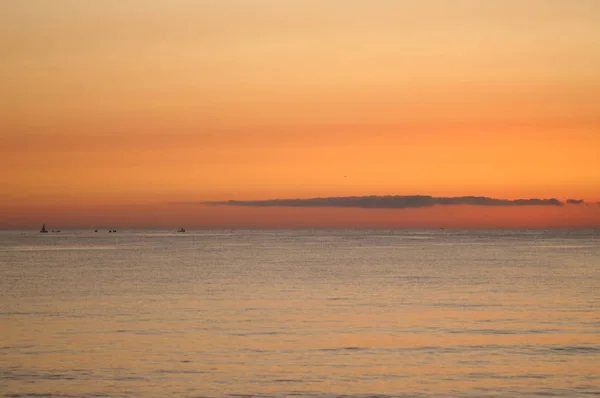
<point x="139" y="112"/>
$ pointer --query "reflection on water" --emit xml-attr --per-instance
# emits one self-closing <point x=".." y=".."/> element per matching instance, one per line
<point x="42" y="248"/>
<point x="300" y="313"/>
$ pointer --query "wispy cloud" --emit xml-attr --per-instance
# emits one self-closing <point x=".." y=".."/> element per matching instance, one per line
<point x="575" y="201"/>
<point x="385" y="202"/>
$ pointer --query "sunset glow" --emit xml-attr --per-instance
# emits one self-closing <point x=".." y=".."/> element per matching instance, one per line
<point x="113" y="112"/>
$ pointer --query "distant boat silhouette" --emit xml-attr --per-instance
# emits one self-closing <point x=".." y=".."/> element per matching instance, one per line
<point x="181" y="230"/>
<point x="44" y="230"/>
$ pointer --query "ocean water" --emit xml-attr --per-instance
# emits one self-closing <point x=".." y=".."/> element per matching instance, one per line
<point x="323" y="313"/>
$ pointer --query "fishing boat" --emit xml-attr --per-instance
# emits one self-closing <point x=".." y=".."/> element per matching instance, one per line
<point x="181" y="230"/>
<point x="44" y="230"/>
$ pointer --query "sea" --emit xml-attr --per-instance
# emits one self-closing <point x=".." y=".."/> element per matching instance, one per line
<point x="300" y="313"/>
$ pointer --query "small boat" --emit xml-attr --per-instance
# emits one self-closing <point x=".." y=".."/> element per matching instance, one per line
<point x="181" y="230"/>
<point x="44" y="230"/>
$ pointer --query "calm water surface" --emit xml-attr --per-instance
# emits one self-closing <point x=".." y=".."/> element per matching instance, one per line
<point x="351" y="313"/>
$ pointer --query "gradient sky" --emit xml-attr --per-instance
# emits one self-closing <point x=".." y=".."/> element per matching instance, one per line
<point x="111" y="110"/>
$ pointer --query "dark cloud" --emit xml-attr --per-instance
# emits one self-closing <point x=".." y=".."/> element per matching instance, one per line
<point x="575" y="201"/>
<point x="386" y="202"/>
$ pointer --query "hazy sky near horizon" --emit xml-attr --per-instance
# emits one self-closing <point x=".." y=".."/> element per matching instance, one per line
<point x="123" y="104"/>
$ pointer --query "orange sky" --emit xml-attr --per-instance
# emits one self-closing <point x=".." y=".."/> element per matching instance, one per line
<point x="110" y="110"/>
